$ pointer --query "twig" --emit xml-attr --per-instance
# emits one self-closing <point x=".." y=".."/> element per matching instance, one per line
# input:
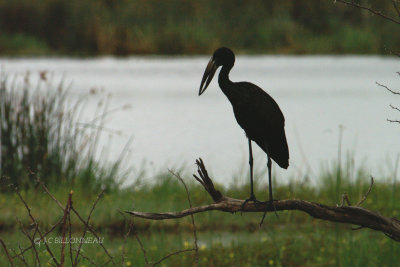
<point x="393" y="107"/>
<point x="79" y="217"/>
<point x="32" y="242"/>
<point x="130" y="227"/>
<point x="345" y="197"/>
<point x="196" y="247"/>
<point x="36" y="225"/>
<point x="20" y="257"/>
<point x="94" y="233"/>
<point x="88" y="259"/>
<point x="387" y="88"/>
<point x="396" y="7"/>
<point x="86" y="226"/>
<point x="397" y="121"/>
<point x="6" y="251"/>
<point x="378" y="13"/>
<point x="366" y="194"/>
<point x="66" y="215"/>
<point x="146" y="260"/>
<point x="172" y="254"/>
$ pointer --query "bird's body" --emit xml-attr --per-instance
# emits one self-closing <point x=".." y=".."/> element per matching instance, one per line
<point x="261" y="118"/>
<point x="255" y="111"/>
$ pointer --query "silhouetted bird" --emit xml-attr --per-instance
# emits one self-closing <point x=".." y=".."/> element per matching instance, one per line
<point x="255" y="111"/>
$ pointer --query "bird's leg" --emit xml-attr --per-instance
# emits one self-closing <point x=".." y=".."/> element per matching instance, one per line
<point x="271" y="199"/>
<point x="252" y="196"/>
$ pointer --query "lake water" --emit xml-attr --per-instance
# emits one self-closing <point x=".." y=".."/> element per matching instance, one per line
<point x="171" y="125"/>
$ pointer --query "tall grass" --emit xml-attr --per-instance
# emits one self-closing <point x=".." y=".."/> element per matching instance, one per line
<point x="41" y="137"/>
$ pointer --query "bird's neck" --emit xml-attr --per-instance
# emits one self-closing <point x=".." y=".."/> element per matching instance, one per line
<point x="223" y="78"/>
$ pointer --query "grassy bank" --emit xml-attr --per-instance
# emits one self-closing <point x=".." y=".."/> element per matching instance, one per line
<point x="33" y="27"/>
<point x="292" y="239"/>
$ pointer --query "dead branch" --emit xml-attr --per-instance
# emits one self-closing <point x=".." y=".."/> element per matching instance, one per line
<point x="341" y="214"/>
<point x="86" y="227"/>
<point x="65" y="217"/>
<point x="196" y="247"/>
<point x="376" y="12"/>
<point x="6" y="251"/>
<point x="366" y="194"/>
<point x="387" y="88"/>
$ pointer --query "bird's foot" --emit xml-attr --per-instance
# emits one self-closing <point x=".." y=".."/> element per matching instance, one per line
<point x="251" y="198"/>
<point x="270" y="203"/>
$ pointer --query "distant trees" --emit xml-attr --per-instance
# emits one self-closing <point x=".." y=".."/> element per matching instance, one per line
<point x="122" y="27"/>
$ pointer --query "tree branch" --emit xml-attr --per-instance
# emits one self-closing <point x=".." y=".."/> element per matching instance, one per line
<point x="378" y="13"/>
<point x="342" y="214"/>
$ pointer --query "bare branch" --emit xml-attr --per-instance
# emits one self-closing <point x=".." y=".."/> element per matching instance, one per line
<point x="387" y="88"/>
<point x="66" y="216"/>
<point x="345" y="197"/>
<point x="395" y="108"/>
<point x="86" y="227"/>
<point x="36" y="226"/>
<point x="396" y="7"/>
<point x="366" y="194"/>
<point x="146" y="260"/>
<point x="6" y="251"/>
<point x="347" y="214"/>
<point x="172" y="254"/>
<point x="378" y="13"/>
<point x="196" y="247"/>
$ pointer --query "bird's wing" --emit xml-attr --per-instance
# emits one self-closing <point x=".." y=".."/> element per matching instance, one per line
<point x="257" y="106"/>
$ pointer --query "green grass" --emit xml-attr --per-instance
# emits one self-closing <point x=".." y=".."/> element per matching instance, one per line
<point x="293" y="239"/>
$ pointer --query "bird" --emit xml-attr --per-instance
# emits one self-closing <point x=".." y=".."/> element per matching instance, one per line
<point x="255" y="111"/>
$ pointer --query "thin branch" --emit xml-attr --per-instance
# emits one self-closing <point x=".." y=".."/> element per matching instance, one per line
<point x="387" y="88"/>
<point x="32" y="242"/>
<point x="345" y="197"/>
<point x="131" y="226"/>
<point x="396" y="121"/>
<point x="396" y="7"/>
<point x="88" y="259"/>
<point x="66" y="215"/>
<point x="196" y="247"/>
<point x="95" y="234"/>
<point x="172" y="254"/>
<point x="146" y="260"/>
<point x="366" y="194"/>
<point x="6" y="251"/>
<point x="79" y="217"/>
<point x="378" y="13"/>
<point x="347" y="214"/>
<point x="36" y="225"/>
<point x="86" y="227"/>
<point x="395" y="108"/>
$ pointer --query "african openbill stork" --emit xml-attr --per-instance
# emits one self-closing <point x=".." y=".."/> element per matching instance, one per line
<point x="255" y="111"/>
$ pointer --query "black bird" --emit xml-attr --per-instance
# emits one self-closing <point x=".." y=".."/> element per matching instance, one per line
<point x="255" y="111"/>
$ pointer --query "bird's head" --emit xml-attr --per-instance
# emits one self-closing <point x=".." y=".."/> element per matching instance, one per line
<point x="222" y="57"/>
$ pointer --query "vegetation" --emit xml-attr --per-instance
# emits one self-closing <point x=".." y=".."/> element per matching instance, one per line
<point x="121" y="27"/>
<point x="40" y="136"/>
<point x="292" y="239"/>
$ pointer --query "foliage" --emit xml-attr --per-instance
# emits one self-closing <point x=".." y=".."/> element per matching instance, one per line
<point x="123" y="27"/>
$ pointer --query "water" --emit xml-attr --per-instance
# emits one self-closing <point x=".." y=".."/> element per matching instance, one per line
<point x="171" y="126"/>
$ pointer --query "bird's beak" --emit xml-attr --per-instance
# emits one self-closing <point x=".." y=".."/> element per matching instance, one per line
<point x="208" y="75"/>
